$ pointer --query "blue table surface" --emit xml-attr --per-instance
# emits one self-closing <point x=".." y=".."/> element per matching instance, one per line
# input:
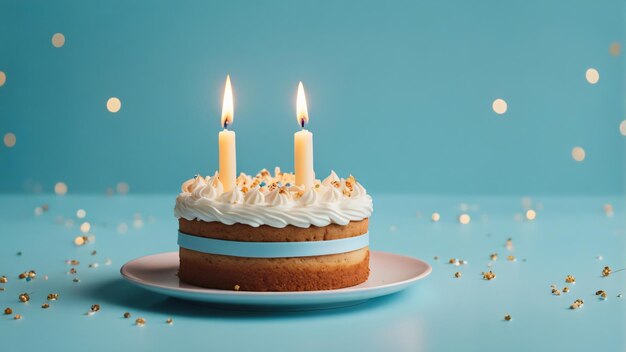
<point x="570" y="235"/>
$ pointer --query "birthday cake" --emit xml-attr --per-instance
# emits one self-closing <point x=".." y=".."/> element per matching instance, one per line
<point x="266" y="234"/>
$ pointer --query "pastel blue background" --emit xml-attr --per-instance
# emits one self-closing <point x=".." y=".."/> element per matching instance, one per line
<point x="399" y="92"/>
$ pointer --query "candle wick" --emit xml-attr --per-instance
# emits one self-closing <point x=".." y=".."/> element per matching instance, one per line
<point x="302" y="123"/>
<point x="226" y="124"/>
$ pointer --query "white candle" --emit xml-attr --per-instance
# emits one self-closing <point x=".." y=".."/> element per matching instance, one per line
<point x="227" y="150"/>
<point x="303" y="145"/>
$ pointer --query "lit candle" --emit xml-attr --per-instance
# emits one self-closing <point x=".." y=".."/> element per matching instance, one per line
<point x="228" y="152"/>
<point x="303" y="145"/>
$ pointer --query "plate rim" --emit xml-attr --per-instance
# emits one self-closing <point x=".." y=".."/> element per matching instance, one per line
<point x="211" y="291"/>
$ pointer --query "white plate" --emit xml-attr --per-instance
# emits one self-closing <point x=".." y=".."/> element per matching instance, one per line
<point x="389" y="273"/>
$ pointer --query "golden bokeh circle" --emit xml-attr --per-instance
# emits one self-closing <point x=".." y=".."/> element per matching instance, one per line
<point x="531" y="214"/>
<point x="122" y="188"/>
<point x="622" y="128"/>
<point x="58" y="40"/>
<point x="499" y="106"/>
<point x="578" y="154"/>
<point x="592" y="75"/>
<point x="464" y="219"/>
<point x="615" y="49"/>
<point x="114" y="104"/>
<point x="10" y="140"/>
<point x="81" y="213"/>
<point x="435" y="217"/>
<point x="85" y="227"/>
<point x="3" y="78"/>
<point x="60" y="188"/>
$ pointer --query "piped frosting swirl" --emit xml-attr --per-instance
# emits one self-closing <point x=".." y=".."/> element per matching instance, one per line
<point x="274" y="201"/>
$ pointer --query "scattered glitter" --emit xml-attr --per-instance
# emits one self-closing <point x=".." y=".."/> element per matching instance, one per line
<point x="511" y="258"/>
<point x="507" y="317"/>
<point x="577" y="304"/>
<point x="140" y="321"/>
<point x="73" y="262"/>
<point x="60" y="188"/>
<point x="107" y="261"/>
<point x="9" y="140"/>
<point x="606" y="271"/>
<point x="95" y="308"/>
<point x="602" y="294"/>
<point x="452" y="261"/>
<point x="122" y="188"/>
<point x="45" y="306"/>
<point x="531" y="214"/>
<point x="489" y="275"/>
<point x="622" y="128"/>
<point x="464" y="219"/>
<point x="3" y="78"/>
<point x="493" y="256"/>
<point x="4" y="279"/>
<point x="592" y="75"/>
<point x="76" y="280"/>
<point x="58" y="40"/>
<point x="122" y="228"/>
<point x="53" y="296"/>
<point x="435" y="217"/>
<point x="499" y="106"/>
<point x="17" y="317"/>
<point x="556" y="292"/>
<point x="570" y="279"/>
<point x="8" y="311"/>
<point x="509" y="244"/>
<point x="565" y="289"/>
<point x="85" y="227"/>
<point x="81" y="213"/>
<point x="114" y="104"/>
<point x="457" y="274"/>
<point x="237" y="287"/>
<point x="73" y="271"/>
<point x="169" y="321"/>
<point x="126" y="315"/>
<point x="578" y="154"/>
<point x="24" y="297"/>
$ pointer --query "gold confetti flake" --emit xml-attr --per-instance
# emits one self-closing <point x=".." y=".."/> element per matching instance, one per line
<point x="4" y="279"/>
<point x="95" y="308"/>
<point x="577" y="304"/>
<point x="8" y="311"/>
<point x="169" y="321"/>
<point x="565" y="289"/>
<point x="511" y="258"/>
<point x="570" y="279"/>
<point x="556" y="292"/>
<point x="53" y="296"/>
<point x="140" y="321"/>
<point x="24" y="297"/>
<point x="17" y="316"/>
<point x="493" y="256"/>
<point x="602" y="294"/>
<point x="452" y="261"/>
<point x="457" y="274"/>
<point x="237" y="287"/>
<point x="126" y="315"/>
<point x="507" y="317"/>
<point x="45" y="306"/>
<point x="489" y="275"/>
<point x="606" y="271"/>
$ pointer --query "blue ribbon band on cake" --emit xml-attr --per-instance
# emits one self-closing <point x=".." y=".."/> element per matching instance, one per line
<point x="272" y="249"/>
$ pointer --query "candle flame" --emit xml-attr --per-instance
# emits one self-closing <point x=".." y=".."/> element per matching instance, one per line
<point x="227" y="105"/>
<point x="301" y="109"/>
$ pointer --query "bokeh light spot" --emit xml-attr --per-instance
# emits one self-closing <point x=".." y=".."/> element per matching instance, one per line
<point x="58" y="40"/>
<point x="10" y="140"/>
<point x="464" y="219"/>
<point x="615" y="49"/>
<point x="3" y="78"/>
<point x="499" y="106"/>
<point x="578" y="154"/>
<point x="114" y="104"/>
<point x="622" y="128"/>
<point x="60" y="188"/>
<point x="592" y="75"/>
<point x="122" y="188"/>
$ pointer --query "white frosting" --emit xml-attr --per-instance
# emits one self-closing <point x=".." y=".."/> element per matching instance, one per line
<point x="274" y="201"/>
